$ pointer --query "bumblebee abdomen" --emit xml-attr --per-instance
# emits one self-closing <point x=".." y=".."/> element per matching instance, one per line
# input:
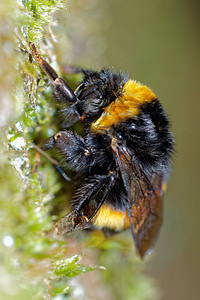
<point x="112" y="219"/>
<point x="148" y="138"/>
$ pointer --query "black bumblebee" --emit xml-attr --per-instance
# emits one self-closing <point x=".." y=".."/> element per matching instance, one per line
<point x="124" y="155"/>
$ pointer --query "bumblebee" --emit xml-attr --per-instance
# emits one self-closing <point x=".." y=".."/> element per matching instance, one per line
<point x="123" y="157"/>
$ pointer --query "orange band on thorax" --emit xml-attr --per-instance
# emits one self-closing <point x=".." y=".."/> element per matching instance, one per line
<point x="124" y="107"/>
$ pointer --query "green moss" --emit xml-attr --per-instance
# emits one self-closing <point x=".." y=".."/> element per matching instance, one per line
<point x="70" y="267"/>
<point x="36" y="15"/>
<point x="31" y="257"/>
<point x="33" y="194"/>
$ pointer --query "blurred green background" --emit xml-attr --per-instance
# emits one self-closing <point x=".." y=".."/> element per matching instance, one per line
<point x="157" y="43"/>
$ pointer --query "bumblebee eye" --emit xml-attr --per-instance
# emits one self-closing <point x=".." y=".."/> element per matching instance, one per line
<point x="83" y="91"/>
<point x="88" y="90"/>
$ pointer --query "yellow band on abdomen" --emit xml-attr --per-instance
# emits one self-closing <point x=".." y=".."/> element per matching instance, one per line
<point x="109" y="218"/>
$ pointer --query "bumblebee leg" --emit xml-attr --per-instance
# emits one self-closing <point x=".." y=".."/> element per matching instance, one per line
<point x="93" y="193"/>
<point x="53" y="161"/>
<point x="62" y="90"/>
<point x="76" y="70"/>
<point x="87" y="201"/>
<point x="72" y="148"/>
<point x="73" y="70"/>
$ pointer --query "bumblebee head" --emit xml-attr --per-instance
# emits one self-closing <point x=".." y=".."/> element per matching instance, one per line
<point x="97" y="90"/>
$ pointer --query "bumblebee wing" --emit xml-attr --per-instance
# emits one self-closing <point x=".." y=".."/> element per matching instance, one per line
<point x="145" y="200"/>
<point x="145" y="213"/>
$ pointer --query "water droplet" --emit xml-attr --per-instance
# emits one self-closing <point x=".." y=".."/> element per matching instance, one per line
<point x="8" y="241"/>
